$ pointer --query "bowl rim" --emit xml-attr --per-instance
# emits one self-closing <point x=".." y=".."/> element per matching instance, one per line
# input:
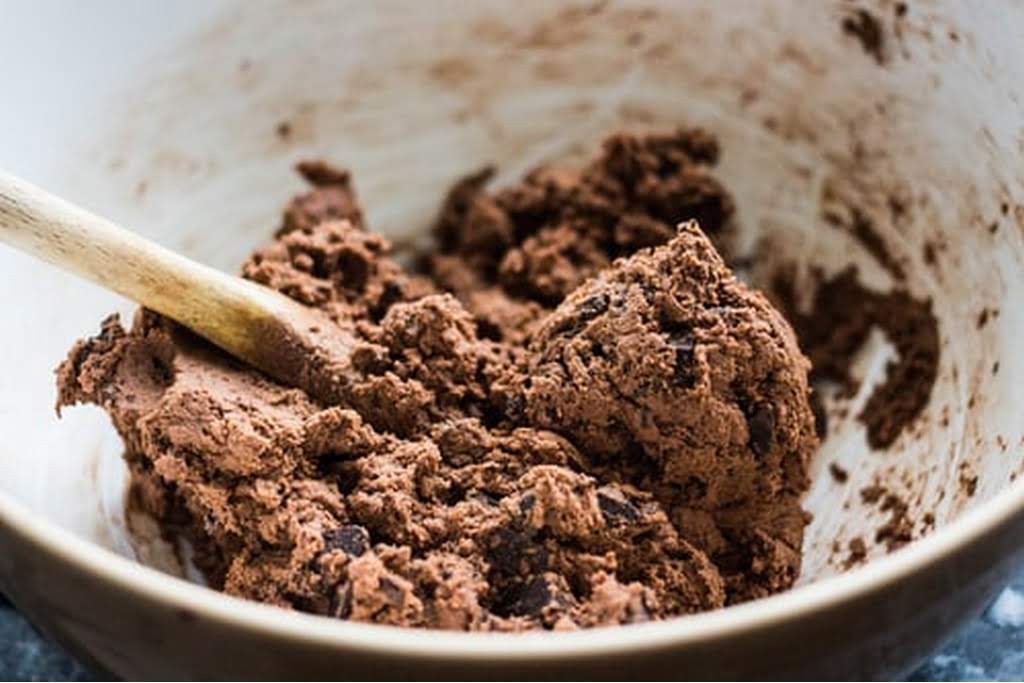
<point x="155" y="586"/>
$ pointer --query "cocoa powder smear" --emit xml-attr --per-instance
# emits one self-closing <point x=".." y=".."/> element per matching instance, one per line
<point x="571" y="413"/>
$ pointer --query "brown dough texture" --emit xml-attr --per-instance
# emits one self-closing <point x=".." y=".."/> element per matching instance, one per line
<point x="573" y="416"/>
<point x="842" y="315"/>
<point x="511" y="255"/>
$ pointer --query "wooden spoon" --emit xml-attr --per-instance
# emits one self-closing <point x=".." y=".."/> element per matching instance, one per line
<point x="293" y="344"/>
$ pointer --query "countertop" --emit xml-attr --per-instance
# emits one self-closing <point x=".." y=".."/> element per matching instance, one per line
<point x="991" y="648"/>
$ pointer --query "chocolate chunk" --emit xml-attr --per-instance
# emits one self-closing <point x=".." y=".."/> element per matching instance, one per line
<point x="761" y="425"/>
<point x="526" y="503"/>
<point x="391" y="590"/>
<point x="351" y="539"/>
<point x="514" y="552"/>
<point x="593" y="307"/>
<point x="453" y="494"/>
<point x="615" y="507"/>
<point x="587" y="311"/>
<point x="526" y="599"/>
<point x="683" y="343"/>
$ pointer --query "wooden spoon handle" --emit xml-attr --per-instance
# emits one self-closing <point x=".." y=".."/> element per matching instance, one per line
<point x="224" y="309"/>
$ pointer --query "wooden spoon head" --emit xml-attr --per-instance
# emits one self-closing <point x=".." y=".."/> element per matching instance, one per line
<point x="304" y="348"/>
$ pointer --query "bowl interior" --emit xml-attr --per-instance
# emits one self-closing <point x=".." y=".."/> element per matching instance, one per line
<point x="914" y="127"/>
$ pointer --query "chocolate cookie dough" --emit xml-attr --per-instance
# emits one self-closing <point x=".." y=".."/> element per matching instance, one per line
<point x="511" y="255"/>
<point x="574" y="415"/>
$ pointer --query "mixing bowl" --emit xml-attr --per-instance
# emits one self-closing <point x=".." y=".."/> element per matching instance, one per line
<point x="182" y="120"/>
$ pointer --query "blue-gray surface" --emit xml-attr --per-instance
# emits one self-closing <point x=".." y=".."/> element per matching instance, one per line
<point x="992" y="648"/>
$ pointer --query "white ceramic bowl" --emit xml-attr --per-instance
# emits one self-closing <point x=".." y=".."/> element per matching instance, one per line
<point x="163" y="117"/>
